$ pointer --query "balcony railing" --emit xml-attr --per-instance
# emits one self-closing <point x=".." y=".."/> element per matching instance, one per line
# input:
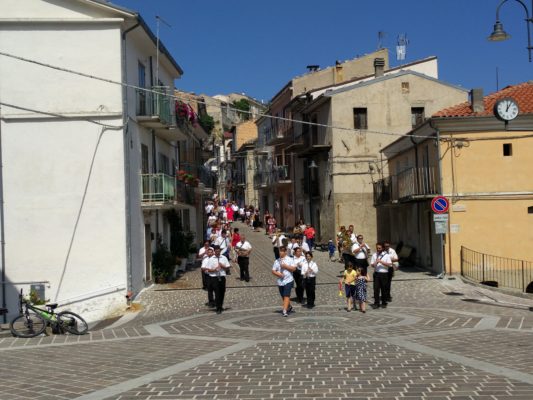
<point x="157" y="105"/>
<point x="262" y="179"/>
<point x="407" y="185"/>
<point x="157" y="188"/>
<point x="282" y="174"/>
<point x="204" y="174"/>
<point x="162" y="190"/>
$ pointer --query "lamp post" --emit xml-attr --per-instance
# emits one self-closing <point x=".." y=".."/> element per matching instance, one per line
<point x="311" y="166"/>
<point x="498" y="34"/>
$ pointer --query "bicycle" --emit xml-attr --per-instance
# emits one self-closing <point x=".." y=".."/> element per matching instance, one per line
<point x="33" y="320"/>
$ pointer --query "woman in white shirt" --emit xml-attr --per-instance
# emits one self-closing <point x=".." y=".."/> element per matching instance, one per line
<point x="309" y="272"/>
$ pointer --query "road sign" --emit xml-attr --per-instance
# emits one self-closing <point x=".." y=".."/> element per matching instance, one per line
<point x="441" y="227"/>
<point x="440" y="217"/>
<point x="440" y="204"/>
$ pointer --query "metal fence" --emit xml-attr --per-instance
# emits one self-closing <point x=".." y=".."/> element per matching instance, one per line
<point x="497" y="271"/>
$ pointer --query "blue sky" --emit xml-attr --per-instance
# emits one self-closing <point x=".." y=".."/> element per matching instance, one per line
<point x="256" y="46"/>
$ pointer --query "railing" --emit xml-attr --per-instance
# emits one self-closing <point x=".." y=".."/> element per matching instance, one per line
<point x="156" y="103"/>
<point x="262" y="179"/>
<point x="282" y="173"/>
<point x="184" y="193"/>
<point x="405" y="185"/>
<point x="497" y="271"/>
<point x="203" y="173"/>
<point x="157" y="187"/>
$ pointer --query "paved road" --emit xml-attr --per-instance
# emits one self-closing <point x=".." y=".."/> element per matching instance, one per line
<point x="439" y="339"/>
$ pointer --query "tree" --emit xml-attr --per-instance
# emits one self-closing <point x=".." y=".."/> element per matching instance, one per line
<point x="207" y="122"/>
<point x="243" y="105"/>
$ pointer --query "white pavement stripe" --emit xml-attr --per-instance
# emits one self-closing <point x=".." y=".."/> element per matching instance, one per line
<point x="163" y="373"/>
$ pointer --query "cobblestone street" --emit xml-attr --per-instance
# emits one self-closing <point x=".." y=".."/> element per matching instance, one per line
<point x="438" y="339"/>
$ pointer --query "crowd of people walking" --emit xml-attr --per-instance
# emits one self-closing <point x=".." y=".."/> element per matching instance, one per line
<point x="294" y="265"/>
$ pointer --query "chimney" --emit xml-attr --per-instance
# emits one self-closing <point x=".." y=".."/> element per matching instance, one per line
<point x="379" y="65"/>
<point x="476" y="100"/>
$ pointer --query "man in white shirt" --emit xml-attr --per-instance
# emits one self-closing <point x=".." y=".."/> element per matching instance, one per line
<point x="277" y="242"/>
<point x="309" y="271"/>
<point x="303" y="244"/>
<point x="223" y="242"/>
<point x="243" y="249"/>
<point x="209" y="207"/>
<point x="360" y="252"/>
<point x="395" y="265"/>
<point x="283" y="269"/>
<point x="298" y="261"/>
<point x="292" y="246"/>
<point x="380" y="262"/>
<point x="216" y="266"/>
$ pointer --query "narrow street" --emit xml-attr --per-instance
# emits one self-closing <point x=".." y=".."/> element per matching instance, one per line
<point x="438" y="339"/>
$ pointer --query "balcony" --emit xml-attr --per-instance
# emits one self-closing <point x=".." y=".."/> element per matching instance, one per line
<point x="156" y="110"/>
<point x="161" y="191"/>
<point x="410" y="184"/>
<point x="282" y="174"/>
<point x="283" y="135"/>
<point x="262" y="179"/>
<point x="204" y="174"/>
<point x="310" y="143"/>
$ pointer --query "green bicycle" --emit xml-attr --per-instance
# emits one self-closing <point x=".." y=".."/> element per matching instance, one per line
<point x="33" y="321"/>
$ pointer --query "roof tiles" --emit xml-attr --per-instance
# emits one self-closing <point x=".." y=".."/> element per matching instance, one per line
<point x="522" y="93"/>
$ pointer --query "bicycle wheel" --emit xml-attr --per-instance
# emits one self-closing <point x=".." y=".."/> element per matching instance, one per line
<point x="27" y="326"/>
<point x="72" y="323"/>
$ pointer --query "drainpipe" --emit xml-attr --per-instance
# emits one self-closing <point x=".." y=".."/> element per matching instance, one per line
<point x="2" y="233"/>
<point x="439" y="168"/>
<point x="127" y="166"/>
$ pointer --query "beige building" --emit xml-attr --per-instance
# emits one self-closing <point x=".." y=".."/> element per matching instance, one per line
<point x="275" y="178"/>
<point x="485" y="172"/>
<point x="350" y="123"/>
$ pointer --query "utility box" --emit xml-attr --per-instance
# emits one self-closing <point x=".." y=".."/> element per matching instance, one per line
<point x="39" y="291"/>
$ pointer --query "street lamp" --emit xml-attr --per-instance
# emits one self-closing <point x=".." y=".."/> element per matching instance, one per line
<point x="498" y="34"/>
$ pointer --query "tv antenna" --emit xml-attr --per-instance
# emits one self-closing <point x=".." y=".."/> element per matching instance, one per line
<point x="401" y="46"/>
<point x="158" y="20"/>
<point x="381" y="36"/>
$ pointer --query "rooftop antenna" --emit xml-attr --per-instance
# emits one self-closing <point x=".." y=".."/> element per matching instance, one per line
<point x="159" y="20"/>
<point x="381" y="36"/>
<point x="401" y="46"/>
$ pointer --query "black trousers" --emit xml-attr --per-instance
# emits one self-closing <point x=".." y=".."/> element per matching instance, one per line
<point x="362" y="263"/>
<point x="298" y="281"/>
<point x="346" y="258"/>
<point x="244" y="262"/>
<point x="390" y="275"/>
<point x="218" y="285"/>
<point x="310" y="287"/>
<point x="210" y="289"/>
<point x="276" y="252"/>
<point x="204" y="279"/>
<point x="381" y="286"/>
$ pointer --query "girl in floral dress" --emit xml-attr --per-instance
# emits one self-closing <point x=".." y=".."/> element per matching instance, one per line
<point x="360" y="288"/>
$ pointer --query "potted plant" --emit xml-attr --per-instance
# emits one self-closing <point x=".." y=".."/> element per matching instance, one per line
<point x="162" y="263"/>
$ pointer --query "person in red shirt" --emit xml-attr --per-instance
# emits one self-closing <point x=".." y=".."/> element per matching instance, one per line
<point x="309" y="233"/>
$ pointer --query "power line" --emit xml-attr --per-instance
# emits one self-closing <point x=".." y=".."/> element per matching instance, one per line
<point x="221" y="106"/>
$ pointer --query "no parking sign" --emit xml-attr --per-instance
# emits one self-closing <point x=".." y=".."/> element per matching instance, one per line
<point x="440" y="205"/>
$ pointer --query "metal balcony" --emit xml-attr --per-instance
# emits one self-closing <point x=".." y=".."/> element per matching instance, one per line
<point x="162" y="191"/>
<point x="410" y="184"/>
<point x="282" y="174"/>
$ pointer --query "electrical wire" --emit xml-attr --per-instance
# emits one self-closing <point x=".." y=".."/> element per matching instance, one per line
<point x="221" y="106"/>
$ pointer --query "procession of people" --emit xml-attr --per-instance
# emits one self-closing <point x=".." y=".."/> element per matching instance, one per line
<point x="293" y="265"/>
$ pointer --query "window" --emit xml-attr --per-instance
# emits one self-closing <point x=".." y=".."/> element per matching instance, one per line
<point x="507" y="149"/>
<point x="360" y="118"/>
<point x="405" y="87"/>
<point x="141" y="106"/>
<point x="417" y="116"/>
<point x="144" y="159"/>
<point x="164" y="166"/>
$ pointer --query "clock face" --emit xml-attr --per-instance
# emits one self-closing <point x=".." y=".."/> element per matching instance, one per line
<point x="506" y="109"/>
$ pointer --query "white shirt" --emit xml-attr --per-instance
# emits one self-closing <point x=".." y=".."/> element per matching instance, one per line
<point x="202" y="253"/>
<point x="211" y="263"/>
<point x="392" y="254"/>
<point x="298" y="262"/>
<point x="209" y="208"/>
<point x="379" y="267"/>
<point x="211" y="219"/>
<point x="360" y="251"/>
<point x="287" y="275"/>
<point x="291" y="247"/>
<point x="305" y="247"/>
<point x="309" y="269"/>
<point x="277" y="240"/>
<point x="241" y="211"/>
<point x="235" y="207"/>
<point x="222" y="242"/>
<point x="243" y="246"/>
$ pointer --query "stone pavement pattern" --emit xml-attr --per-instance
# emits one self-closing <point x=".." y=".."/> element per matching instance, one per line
<point x="439" y="339"/>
